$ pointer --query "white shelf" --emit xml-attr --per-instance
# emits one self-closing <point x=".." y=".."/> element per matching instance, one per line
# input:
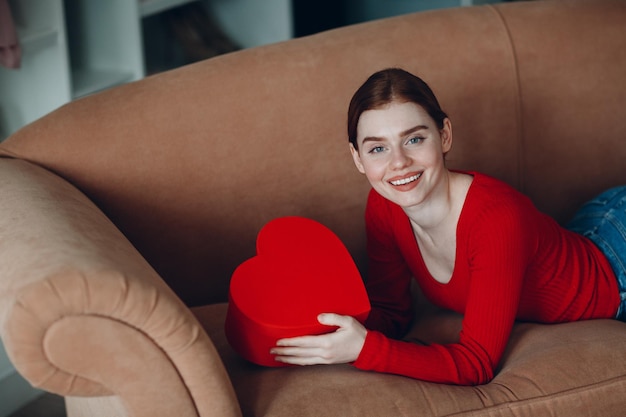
<point x="104" y="40"/>
<point x="73" y="48"/>
<point x="70" y="48"/>
<point x="42" y="83"/>
<point x="150" y="7"/>
<point x="32" y="41"/>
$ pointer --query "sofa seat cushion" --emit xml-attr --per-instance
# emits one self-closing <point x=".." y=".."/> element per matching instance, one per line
<point x="557" y="370"/>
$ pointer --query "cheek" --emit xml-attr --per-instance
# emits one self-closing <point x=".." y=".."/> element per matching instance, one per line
<point x="373" y="169"/>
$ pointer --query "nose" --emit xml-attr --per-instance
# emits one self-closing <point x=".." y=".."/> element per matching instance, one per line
<point x="399" y="159"/>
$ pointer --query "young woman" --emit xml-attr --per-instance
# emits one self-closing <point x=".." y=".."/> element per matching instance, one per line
<point x="474" y="244"/>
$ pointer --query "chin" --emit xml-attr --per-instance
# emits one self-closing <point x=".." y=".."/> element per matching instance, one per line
<point x="404" y="201"/>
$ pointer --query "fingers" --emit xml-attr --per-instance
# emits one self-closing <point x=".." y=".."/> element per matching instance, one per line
<point x="331" y="319"/>
<point x="301" y="361"/>
<point x="327" y="319"/>
<point x="302" y="341"/>
<point x="340" y="346"/>
<point x="302" y="346"/>
<point x="300" y="356"/>
<point x="307" y="350"/>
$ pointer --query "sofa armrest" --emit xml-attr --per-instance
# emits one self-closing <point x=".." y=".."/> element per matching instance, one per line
<point x="83" y="314"/>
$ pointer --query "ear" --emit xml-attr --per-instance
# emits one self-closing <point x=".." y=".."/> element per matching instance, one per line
<point x="446" y="136"/>
<point x="357" y="159"/>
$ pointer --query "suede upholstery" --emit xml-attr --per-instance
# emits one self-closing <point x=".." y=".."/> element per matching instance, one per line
<point x="123" y="214"/>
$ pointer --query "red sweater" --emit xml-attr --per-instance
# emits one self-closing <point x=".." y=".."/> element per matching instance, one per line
<point x="512" y="262"/>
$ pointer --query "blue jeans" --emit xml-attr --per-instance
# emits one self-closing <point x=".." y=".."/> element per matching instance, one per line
<point x="603" y="221"/>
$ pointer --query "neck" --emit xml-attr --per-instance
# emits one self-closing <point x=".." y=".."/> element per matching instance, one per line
<point x="436" y="209"/>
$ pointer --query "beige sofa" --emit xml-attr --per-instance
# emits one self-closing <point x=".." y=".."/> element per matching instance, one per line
<point x="123" y="215"/>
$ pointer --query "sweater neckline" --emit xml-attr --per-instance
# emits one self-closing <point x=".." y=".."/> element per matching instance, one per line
<point x="459" y="229"/>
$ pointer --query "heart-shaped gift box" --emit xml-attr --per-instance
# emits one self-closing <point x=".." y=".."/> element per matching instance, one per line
<point x="301" y="269"/>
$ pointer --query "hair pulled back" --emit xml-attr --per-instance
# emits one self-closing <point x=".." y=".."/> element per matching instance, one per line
<point x="387" y="86"/>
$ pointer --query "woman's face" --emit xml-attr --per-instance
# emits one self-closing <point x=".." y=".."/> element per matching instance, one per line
<point x="401" y="152"/>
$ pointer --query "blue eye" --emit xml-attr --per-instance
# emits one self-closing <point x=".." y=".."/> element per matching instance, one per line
<point x="376" y="149"/>
<point x="415" y="140"/>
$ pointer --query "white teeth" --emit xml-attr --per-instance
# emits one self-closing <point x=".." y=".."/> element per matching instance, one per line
<point x="404" y="181"/>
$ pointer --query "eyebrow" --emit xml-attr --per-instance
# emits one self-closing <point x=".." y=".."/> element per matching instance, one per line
<point x="404" y="133"/>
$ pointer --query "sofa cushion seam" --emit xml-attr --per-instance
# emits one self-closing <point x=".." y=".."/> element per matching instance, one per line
<point x="508" y="405"/>
<point x="521" y="172"/>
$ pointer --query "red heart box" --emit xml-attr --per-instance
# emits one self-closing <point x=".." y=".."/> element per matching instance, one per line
<point x="301" y="269"/>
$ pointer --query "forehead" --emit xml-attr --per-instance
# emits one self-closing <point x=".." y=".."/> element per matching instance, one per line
<point x="392" y="119"/>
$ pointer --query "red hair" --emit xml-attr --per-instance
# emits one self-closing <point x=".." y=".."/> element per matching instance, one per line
<point x="389" y="85"/>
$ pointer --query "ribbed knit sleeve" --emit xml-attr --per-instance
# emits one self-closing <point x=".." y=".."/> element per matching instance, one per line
<point x="389" y="278"/>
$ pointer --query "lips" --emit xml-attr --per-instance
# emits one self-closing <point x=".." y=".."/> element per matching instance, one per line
<point x="408" y="179"/>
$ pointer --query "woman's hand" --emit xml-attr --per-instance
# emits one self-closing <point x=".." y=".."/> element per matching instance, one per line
<point x="341" y="346"/>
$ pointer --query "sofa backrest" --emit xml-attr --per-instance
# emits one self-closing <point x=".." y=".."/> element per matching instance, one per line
<point x="191" y="163"/>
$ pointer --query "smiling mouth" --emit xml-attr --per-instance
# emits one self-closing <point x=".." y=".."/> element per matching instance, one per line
<point x="407" y="180"/>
